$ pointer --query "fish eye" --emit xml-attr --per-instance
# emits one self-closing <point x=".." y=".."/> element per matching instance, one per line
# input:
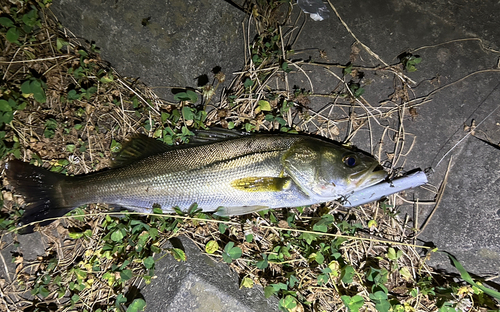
<point x="349" y="161"/>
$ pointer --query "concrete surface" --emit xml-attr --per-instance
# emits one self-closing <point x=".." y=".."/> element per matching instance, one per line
<point x="30" y="246"/>
<point x="467" y="221"/>
<point x="201" y="284"/>
<point x="185" y="39"/>
<point x="164" y="43"/>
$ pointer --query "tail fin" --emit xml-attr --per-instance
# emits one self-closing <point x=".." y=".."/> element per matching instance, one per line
<point x="41" y="189"/>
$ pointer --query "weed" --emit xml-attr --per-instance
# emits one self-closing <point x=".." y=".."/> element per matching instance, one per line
<point x="231" y="252"/>
<point x="19" y="26"/>
<point x="409" y="61"/>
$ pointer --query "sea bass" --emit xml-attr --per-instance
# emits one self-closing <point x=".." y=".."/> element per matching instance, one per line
<point x="223" y="171"/>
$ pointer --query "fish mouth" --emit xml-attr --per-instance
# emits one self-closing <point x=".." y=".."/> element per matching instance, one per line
<point x="369" y="177"/>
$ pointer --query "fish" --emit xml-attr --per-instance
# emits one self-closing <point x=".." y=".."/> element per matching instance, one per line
<point x="229" y="173"/>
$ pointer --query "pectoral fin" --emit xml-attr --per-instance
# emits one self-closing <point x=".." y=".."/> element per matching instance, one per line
<point x="262" y="184"/>
<point x="237" y="211"/>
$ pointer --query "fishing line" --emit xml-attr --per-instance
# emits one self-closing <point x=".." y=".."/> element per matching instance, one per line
<point x="469" y="133"/>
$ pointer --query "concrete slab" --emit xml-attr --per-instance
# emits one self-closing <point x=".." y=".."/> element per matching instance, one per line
<point x="164" y="43"/>
<point x="201" y="284"/>
<point x="28" y="246"/>
<point x="467" y="221"/>
<point x="466" y="224"/>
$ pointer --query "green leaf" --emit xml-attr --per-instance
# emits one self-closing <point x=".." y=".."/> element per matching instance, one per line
<point x="256" y="59"/>
<point x="235" y="252"/>
<point x="178" y="254"/>
<point x="6" y="22"/>
<point x="40" y="96"/>
<point x="264" y="106"/>
<point x="60" y="43"/>
<point x="359" y="92"/>
<point x="323" y="279"/>
<point x="248" y="83"/>
<point x="415" y="60"/>
<point x="137" y="305"/>
<point x="75" y="298"/>
<point x="30" y="18"/>
<point x="246" y="282"/>
<point x="35" y="87"/>
<point x="26" y="87"/>
<point x="347" y="274"/>
<point x="77" y="235"/>
<point x="269" y="291"/>
<point x="118" y="235"/>
<point x="50" y="127"/>
<point x="292" y="281"/>
<point x="377" y="276"/>
<point x="347" y="70"/>
<point x="249" y="238"/>
<point x="6" y="117"/>
<point x="249" y="127"/>
<point x="186" y="132"/>
<point x="222" y="228"/>
<point x="285" y="67"/>
<point x="354" y="303"/>
<point x="319" y="258"/>
<point x="380" y="300"/>
<point x="12" y="35"/>
<point x="88" y="93"/>
<point x="466" y="277"/>
<point x="281" y="121"/>
<point x="83" y="147"/>
<point x="211" y="247"/>
<point x="323" y="223"/>
<point x="269" y="117"/>
<point x="405" y="273"/>
<point x="262" y="264"/>
<point x="115" y="146"/>
<point x="125" y="275"/>
<point x="231" y="253"/>
<point x="226" y="258"/>
<point x="107" y="78"/>
<point x="309" y="237"/>
<point x="4" y="106"/>
<point x="149" y="262"/>
<point x="288" y="302"/>
<point x="448" y="308"/>
<point x="280" y="286"/>
<point x="70" y="148"/>
<point x="188" y="95"/>
<point x="193" y="96"/>
<point x="120" y="299"/>
<point x="393" y="255"/>
<point x="187" y="113"/>
<point x="44" y="292"/>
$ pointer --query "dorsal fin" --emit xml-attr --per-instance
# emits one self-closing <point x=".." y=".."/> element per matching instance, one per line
<point x="215" y="135"/>
<point x="138" y="147"/>
<point x="141" y="146"/>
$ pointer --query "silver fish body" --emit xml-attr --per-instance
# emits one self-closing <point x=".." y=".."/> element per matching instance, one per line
<point x="231" y="174"/>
